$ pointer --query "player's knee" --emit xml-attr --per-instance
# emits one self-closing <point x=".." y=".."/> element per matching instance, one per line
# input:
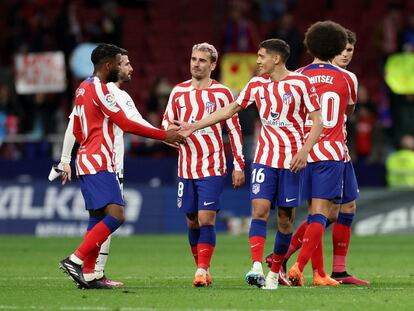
<point x="348" y="208"/>
<point x="333" y="213"/>
<point x="285" y="227"/>
<point x="192" y="221"/>
<point x="117" y="212"/>
<point x="206" y="218"/>
<point x="260" y="211"/>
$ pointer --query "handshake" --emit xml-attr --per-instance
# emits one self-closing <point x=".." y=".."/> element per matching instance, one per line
<point x="177" y="133"/>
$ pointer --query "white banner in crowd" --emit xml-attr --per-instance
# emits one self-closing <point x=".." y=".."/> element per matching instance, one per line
<point x="40" y="72"/>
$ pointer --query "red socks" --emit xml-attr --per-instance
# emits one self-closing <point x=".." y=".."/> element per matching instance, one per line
<point x="195" y="254"/>
<point x="257" y="244"/>
<point x="341" y="235"/>
<point x="297" y="238"/>
<point x="204" y="254"/>
<point x="93" y="240"/>
<point x="311" y="239"/>
<point x="277" y="261"/>
<point x="317" y="260"/>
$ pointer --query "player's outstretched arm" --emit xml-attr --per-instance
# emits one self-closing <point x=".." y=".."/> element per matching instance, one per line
<point x="218" y="116"/>
<point x="300" y="159"/>
<point x="169" y="136"/>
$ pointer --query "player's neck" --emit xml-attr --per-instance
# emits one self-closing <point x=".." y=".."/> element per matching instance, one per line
<point x="201" y="84"/>
<point x="100" y="76"/>
<point x="318" y="61"/>
<point x="279" y="74"/>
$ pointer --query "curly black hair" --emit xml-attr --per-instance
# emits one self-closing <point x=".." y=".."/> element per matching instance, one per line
<point x="324" y="40"/>
<point x="104" y="52"/>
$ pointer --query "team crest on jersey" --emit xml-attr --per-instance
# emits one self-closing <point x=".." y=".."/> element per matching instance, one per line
<point x="179" y="202"/>
<point x="256" y="188"/>
<point x="287" y="98"/>
<point x="110" y="99"/>
<point x="210" y="107"/>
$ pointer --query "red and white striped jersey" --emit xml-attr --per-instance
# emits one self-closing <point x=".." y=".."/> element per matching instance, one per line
<point x="353" y="84"/>
<point x="336" y="88"/>
<point x="347" y="157"/>
<point x="96" y="114"/>
<point x="283" y="106"/>
<point x="127" y="105"/>
<point x="203" y="154"/>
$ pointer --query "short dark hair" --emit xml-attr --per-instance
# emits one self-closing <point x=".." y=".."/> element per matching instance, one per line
<point x="351" y="36"/>
<point x="104" y="52"/>
<point x="277" y="46"/>
<point x="324" y="40"/>
<point x="123" y="51"/>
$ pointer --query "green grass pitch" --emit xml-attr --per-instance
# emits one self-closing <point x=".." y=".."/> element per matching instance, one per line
<point x="158" y="272"/>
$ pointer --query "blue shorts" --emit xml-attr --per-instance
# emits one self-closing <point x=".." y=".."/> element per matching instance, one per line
<point x="280" y="186"/>
<point x="351" y="191"/>
<point x="323" y="180"/>
<point x="100" y="189"/>
<point x="200" y="194"/>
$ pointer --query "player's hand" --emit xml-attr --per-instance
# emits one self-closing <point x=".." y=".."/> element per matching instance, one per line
<point x="67" y="175"/>
<point x="173" y="137"/>
<point x="186" y="129"/>
<point x="173" y="127"/>
<point x="237" y="179"/>
<point x="299" y="161"/>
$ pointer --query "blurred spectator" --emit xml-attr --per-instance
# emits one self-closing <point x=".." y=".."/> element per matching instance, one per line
<point x="366" y="116"/>
<point x="240" y="34"/>
<point x="8" y="112"/>
<point x="39" y="113"/>
<point x="158" y="99"/>
<point x="402" y="108"/>
<point x="271" y="9"/>
<point x="389" y="32"/>
<point x="111" y="23"/>
<point x="407" y="38"/>
<point x="400" y="165"/>
<point x="286" y="30"/>
<point x="68" y="27"/>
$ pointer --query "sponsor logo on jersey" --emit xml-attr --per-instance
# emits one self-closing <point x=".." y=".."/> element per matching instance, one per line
<point x="287" y="98"/>
<point x="274" y="115"/>
<point x="130" y="104"/>
<point x="256" y="188"/>
<point x="210" y="107"/>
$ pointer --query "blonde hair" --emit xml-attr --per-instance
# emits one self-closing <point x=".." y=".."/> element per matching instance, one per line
<point x="207" y="47"/>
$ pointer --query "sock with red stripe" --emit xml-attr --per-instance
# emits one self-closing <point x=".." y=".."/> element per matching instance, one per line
<point x="88" y="268"/>
<point x="257" y="237"/>
<point x="311" y="239"/>
<point x="296" y="241"/>
<point x="193" y="236"/>
<point x="97" y="236"/>
<point x="341" y="237"/>
<point x="281" y="246"/>
<point x="205" y="246"/>
<point x="318" y="260"/>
